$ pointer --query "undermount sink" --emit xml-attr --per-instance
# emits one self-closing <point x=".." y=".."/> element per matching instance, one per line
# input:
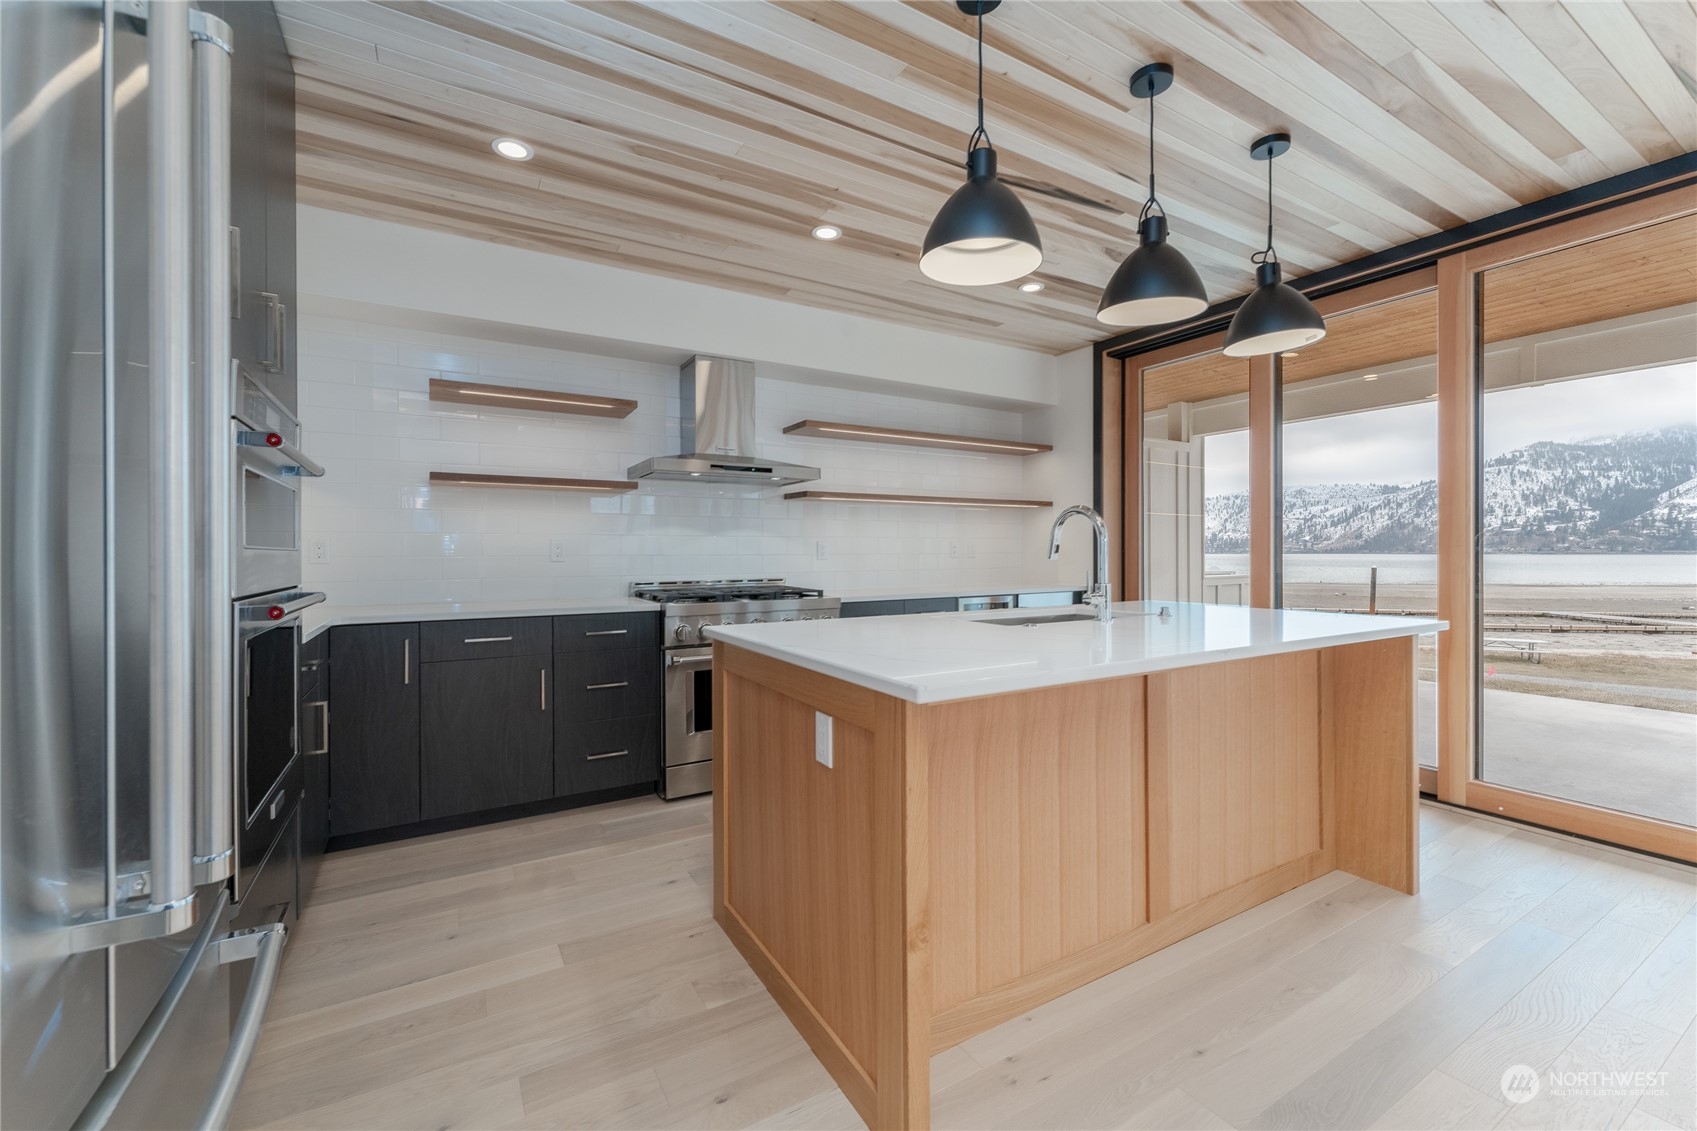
<point x="1028" y="622"/>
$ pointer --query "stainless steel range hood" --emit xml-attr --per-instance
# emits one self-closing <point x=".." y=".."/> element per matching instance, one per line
<point x="716" y="406"/>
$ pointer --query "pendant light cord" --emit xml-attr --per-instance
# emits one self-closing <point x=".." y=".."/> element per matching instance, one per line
<point x="980" y="132"/>
<point x="1268" y="255"/>
<point x="1153" y="203"/>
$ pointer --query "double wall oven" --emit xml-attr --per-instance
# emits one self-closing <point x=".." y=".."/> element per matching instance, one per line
<point x="690" y="607"/>
<point x="263" y="612"/>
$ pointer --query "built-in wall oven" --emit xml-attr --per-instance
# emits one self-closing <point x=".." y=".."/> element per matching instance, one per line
<point x="690" y="607"/>
<point x="269" y="772"/>
<point x="269" y="467"/>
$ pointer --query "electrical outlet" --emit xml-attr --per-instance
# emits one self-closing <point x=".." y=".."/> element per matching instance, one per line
<point x="972" y="549"/>
<point x="557" y="550"/>
<point x="954" y="549"/>
<point x="319" y="550"/>
<point x="822" y="738"/>
<point x="819" y="549"/>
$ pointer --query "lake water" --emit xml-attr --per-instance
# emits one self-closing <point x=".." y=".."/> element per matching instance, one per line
<point x="1500" y="569"/>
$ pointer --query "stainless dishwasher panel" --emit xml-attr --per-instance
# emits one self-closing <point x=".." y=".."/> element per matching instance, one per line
<point x="985" y="604"/>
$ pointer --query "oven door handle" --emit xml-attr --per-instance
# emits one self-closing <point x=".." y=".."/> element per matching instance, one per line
<point x="294" y="461"/>
<point x="289" y="608"/>
<point x="684" y="661"/>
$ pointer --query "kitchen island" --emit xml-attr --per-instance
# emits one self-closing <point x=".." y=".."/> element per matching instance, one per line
<point x="926" y="825"/>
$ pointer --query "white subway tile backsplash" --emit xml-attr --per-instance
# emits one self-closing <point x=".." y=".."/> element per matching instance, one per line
<point x="391" y="537"/>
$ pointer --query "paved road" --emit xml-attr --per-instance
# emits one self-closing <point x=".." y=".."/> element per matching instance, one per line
<point x="1635" y="759"/>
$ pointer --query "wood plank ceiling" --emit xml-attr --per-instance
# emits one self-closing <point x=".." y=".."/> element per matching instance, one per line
<point x="704" y="140"/>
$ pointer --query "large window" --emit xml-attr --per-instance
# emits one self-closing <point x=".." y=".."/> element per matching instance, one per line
<point x="1359" y="470"/>
<point x="1588" y="523"/>
<point x="1507" y="439"/>
<point x="1196" y="480"/>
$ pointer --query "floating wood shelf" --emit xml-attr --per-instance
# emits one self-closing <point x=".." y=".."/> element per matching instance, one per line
<point x="543" y="482"/>
<point x="536" y="400"/>
<point x="872" y="434"/>
<point x="914" y="500"/>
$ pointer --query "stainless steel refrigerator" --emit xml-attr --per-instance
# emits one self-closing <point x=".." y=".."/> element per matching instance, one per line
<point x="116" y="805"/>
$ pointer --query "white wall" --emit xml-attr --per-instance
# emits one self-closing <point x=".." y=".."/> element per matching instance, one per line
<point x="354" y="259"/>
<point x="389" y="537"/>
<point x="1066" y="475"/>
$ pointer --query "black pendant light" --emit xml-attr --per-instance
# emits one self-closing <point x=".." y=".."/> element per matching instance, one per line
<point x="1275" y="317"/>
<point x="982" y="234"/>
<point x="1155" y="283"/>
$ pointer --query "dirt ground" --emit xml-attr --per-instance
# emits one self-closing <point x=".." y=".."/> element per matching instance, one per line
<point x="1637" y="669"/>
<point x="1672" y="602"/>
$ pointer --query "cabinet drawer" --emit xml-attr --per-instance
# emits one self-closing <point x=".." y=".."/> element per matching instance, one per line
<point x="607" y="685"/>
<point x="603" y="632"/>
<point x="484" y="639"/>
<point x="607" y="754"/>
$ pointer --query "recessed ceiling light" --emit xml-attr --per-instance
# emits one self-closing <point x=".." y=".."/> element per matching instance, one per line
<point x="1032" y="287"/>
<point x="1369" y="376"/>
<point x="512" y="149"/>
<point x="827" y="232"/>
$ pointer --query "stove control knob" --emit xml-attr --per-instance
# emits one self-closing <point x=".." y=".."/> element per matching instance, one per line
<point x="786" y="618"/>
<point x="684" y="633"/>
<point x="756" y="620"/>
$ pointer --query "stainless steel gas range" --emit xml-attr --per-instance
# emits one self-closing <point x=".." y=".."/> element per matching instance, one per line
<point x="690" y="607"/>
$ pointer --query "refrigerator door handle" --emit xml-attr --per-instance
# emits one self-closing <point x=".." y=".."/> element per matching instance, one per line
<point x="214" y="839"/>
<point x="265" y="946"/>
<point x="170" y="312"/>
<point x="110" y="1093"/>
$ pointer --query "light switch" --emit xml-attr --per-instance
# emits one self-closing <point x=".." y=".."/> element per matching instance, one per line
<point x="822" y="738"/>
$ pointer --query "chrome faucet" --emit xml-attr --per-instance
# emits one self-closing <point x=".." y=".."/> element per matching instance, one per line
<point x="1098" y="596"/>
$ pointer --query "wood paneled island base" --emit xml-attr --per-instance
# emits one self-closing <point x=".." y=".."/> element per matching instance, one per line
<point x="961" y="862"/>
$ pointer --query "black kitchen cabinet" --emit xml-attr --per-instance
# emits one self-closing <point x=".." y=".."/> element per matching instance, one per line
<point x="592" y="686"/>
<point x="488" y="734"/>
<point x="873" y="608"/>
<point x="313" y="728"/>
<point x="262" y="194"/>
<point x="607" y="754"/>
<point x="374" y="692"/>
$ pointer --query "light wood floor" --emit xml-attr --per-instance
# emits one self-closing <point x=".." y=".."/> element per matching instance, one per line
<point x="565" y="971"/>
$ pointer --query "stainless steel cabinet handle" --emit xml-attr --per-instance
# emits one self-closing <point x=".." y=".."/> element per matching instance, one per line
<point x="406" y="660"/>
<point x="543" y="672"/>
<point x="609" y="754"/>
<point x="323" y="706"/>
<point x="604" y="686"/>
<point x="274" y="331"/>
<point x="486" y="639"/>
<point x="609" y="632"/>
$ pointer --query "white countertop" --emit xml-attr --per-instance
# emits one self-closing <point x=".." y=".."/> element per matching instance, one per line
<point x="320" y="617"/>
<point x="936" y="657"/>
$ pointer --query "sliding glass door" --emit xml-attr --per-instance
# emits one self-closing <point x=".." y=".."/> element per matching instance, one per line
<point x="1587" y="634"/>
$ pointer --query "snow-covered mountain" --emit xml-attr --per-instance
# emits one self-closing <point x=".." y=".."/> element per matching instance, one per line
<point x="1628" y="493"/>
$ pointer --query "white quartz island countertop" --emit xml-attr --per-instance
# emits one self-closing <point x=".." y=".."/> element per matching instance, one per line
<point x="936" y="657"/>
